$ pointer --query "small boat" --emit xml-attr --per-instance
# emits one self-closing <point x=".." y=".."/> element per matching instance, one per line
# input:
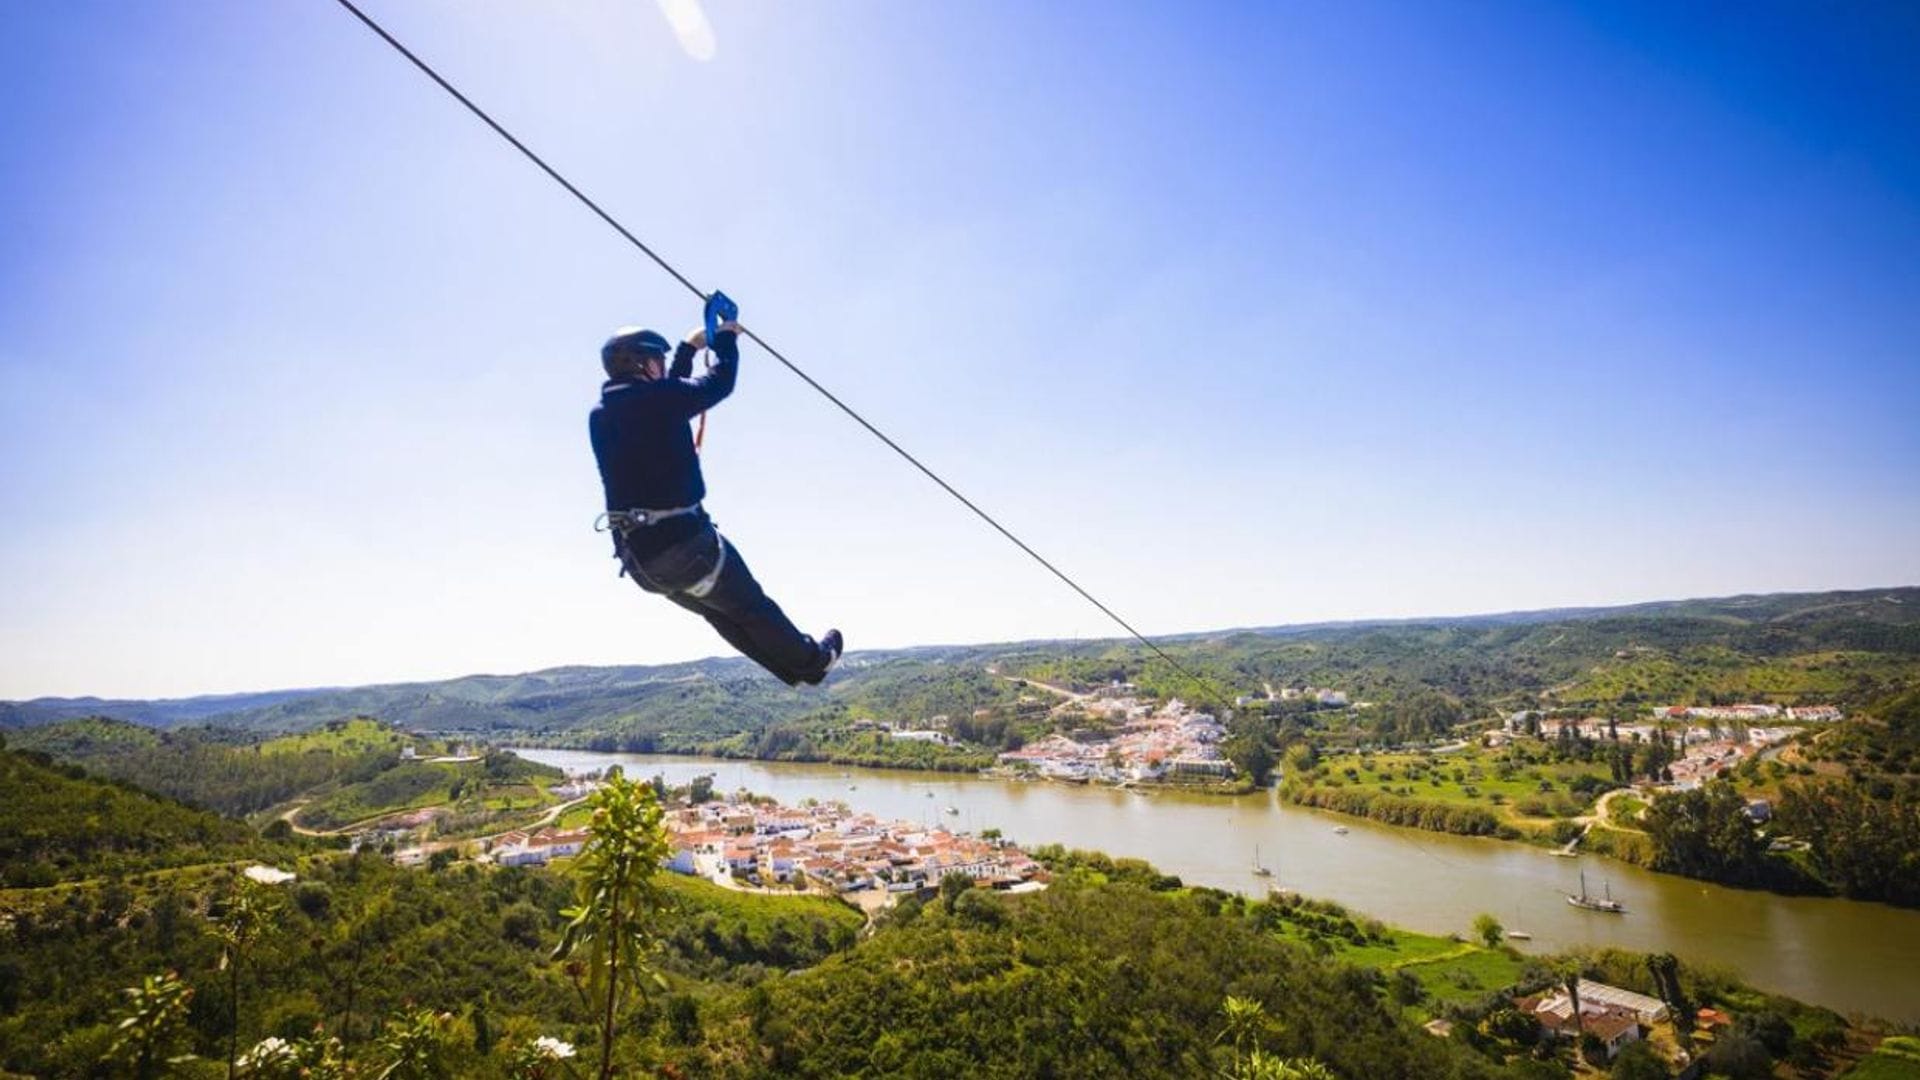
<point x="929" y="794"/>
<point x="1259" y="870"/>
<point x="1595" y="903"/>
<point x="1340" y="829"/>
<point x="954" y="810"/>
<point x="1518" y="935"/>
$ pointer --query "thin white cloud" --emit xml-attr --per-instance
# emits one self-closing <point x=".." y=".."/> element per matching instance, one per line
<point x="690" y="27"/>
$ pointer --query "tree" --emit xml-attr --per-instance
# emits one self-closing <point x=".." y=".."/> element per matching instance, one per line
<point x="1250" y="748"/>
<point x="683" y="1018"/>
<point x="1570" y="978"/>
<point x="951" y="886"/>
<point x="1638" y="1061"/>
<point x="1768" y="1028"/>
<point x="1489" y="929"/>
<point x="1704" y="833"/>
<point x="1512" y="1025"/>
<point x="1739" y="1056"/>
<point x="1665" y="969"/>
<point x="619" y="901"/>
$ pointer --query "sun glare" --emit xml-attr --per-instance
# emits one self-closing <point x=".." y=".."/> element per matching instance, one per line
<point x="690" y="27"/>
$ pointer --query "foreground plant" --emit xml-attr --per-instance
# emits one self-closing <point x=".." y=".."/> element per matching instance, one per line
<point x="1246" y="1023"/>
<point x="317" y="1057"/>
<point x="154" y="1021"/>
<point x="253" y="907"/>
<point x="614" y="922"/>
<point x="415" y="1047"/>
<point x="545" y="1058"/>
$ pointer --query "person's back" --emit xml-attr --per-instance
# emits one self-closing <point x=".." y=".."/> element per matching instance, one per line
<point x="650" y="473"/>
<point x="642" y="442"/>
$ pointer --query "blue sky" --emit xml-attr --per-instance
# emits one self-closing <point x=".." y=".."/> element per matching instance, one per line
<point x="1243" y="314"/>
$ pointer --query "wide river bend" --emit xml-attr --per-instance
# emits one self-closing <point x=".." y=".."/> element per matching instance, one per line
<point x="1844" y="954"/>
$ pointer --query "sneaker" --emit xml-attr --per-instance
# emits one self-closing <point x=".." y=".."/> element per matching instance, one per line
<point x="831" y="646"/>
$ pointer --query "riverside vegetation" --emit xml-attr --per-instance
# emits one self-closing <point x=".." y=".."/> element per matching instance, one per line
<point x="153" y="956"/>
<point x="1846" y="796"/>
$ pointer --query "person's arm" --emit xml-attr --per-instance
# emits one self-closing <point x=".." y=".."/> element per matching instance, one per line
<point x="707" y="389"/>
<point x="683" y="357"/>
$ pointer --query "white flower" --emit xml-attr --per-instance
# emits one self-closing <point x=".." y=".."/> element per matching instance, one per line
<point x="552" y="1047"/>
<point x="271" y="1050"/>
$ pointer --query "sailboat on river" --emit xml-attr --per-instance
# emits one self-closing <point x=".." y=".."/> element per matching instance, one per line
<point x="1595" y="903"/>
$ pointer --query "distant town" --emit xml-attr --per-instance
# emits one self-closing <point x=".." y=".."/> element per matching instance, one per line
<point x="740" y="841"/>
<point x="1154" y="742"/>
<point x="1712" y="738"/>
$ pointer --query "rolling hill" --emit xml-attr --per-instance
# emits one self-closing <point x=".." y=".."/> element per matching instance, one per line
<point x="1841" y="646"/>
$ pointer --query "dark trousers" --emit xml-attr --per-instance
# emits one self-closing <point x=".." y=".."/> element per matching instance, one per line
<point x="732" y="602"/>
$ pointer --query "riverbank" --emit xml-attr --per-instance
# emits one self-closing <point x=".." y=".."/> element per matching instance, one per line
<point x="980" y="765"/>
<point x="1844" y="954"/>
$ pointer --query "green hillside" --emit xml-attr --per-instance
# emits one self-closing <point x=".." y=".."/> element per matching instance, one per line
<point x="1846" y="648"/>
<point x="1115" y="970"/>
<point x="227" y="771"/>
<point x="476" y="793"/>
<point x="59" y="824"/>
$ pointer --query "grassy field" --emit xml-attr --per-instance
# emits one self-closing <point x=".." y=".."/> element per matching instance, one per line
<point x="1896" y="1058"/>
<point x="1446" y="969"/>
<point x="475" y="796"/>
<point x="357" y="736"/>
<point x="1516" y="784"/>
<point x="1625" y="810"/>
<point x="706" y="895"/>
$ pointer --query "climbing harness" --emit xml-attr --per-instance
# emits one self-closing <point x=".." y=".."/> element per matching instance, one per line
<point x="629" y="564"/>
<point x="699" y="589"/>
<point x="623" y="520"/>
<point x="713" y="310"/>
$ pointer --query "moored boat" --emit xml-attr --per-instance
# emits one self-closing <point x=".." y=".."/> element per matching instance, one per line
<point x="1595" y="903"/>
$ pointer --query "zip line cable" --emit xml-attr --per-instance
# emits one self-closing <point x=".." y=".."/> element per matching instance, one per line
<point x="1204" y="684"/>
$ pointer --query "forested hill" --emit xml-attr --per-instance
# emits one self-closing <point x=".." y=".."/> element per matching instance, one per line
<point x="57" y="823"/>
<point x="1788" y="648"/>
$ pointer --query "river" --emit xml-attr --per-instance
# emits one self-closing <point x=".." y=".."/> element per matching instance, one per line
<point x="1843" y="954"/>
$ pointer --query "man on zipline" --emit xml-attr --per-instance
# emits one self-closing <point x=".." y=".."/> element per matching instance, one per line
<point x="650" y="469"/>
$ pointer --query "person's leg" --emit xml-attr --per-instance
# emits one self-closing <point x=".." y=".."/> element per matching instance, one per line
<point x="734" y="633"/>
<point x="737" y="605"/>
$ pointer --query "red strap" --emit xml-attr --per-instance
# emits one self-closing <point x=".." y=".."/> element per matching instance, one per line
<point x="700" y="431"/>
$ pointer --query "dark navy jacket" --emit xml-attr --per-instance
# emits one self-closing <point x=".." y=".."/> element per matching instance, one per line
<point x="644" y="443"/>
